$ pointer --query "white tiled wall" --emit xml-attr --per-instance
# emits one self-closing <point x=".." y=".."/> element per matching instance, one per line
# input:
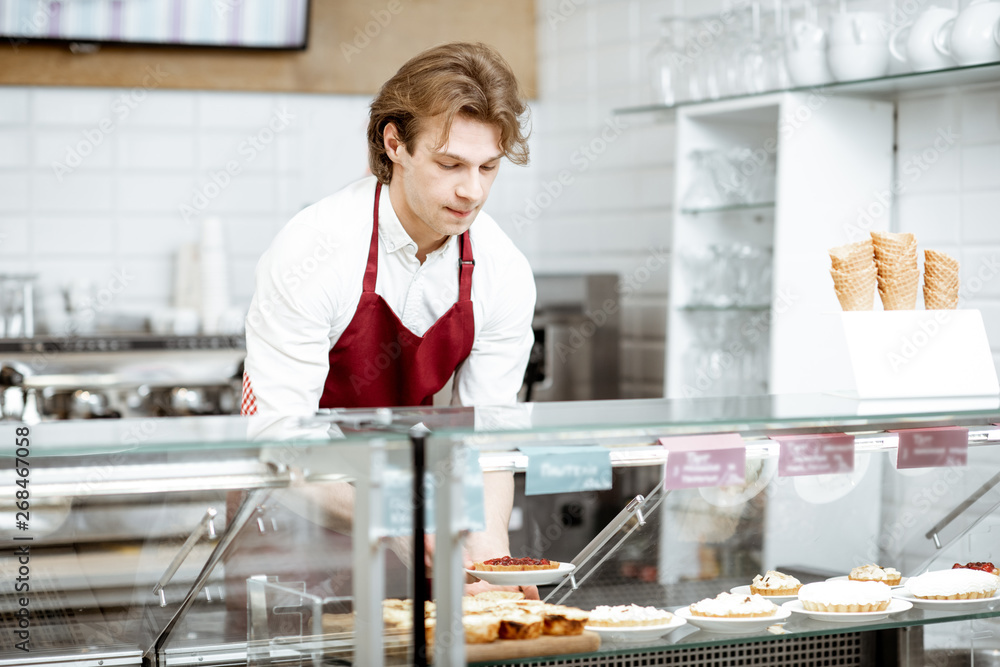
<point x="949" y="164"/>
<point x="116" y="204"/>
<point x="90" y="186"/>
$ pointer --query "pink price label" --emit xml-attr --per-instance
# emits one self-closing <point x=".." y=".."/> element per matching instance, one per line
<point x="815" y="454"/>
<point x="718" y="459"/>
<point x="941" y="447"/>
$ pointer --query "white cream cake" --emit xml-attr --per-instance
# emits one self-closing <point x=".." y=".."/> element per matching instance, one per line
<point x="886" y="575"/>
<point x="731" y="605"/>
<point x="775" y="583"/>
<point x="958" y="584"/>
<point x="631" y="615"/>
<point x="846" y="596"/>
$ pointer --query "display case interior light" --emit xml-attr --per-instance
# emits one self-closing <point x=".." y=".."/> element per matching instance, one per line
<point x="251" y="24"/>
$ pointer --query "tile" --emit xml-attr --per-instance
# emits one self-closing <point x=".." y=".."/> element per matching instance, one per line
<point x="979" y="274"/>
<point x="245" y="193"/>
<point x="155" y="150"/>
<point x="85" y="108"/>
<point x="980" y="113"/>
<point x="922" y="121"/>
<point x="14" y="237"/>
<point x="981" y="167"/>
<point x="929" y="169"/>
<point x="73" y="235"/>
<point x="933" y="218"/>
<point x="249" y="236"/>
<point x="241" y="281"/>
<point x="141" y="236"/>
<point x="14" y="191"/>
<point x="14" y="105"/>
<point x="66" y="150"/>
<point x="614" y="67"/>
<point x="252" y="111"/>
<point x="14" y="147"/>
<point x="164" y="108"/>
<point x="149" y="277"/>
<point x="979" y="217"/>
<point x="97" y="273"/>
<point x="80" y="192"/>
<point x="614" y="22"/>
<point x="159" y="194"/>
<point x="217" y="149"/>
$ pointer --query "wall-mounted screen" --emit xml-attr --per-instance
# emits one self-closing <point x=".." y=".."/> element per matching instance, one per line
<point x="258" y="24"/>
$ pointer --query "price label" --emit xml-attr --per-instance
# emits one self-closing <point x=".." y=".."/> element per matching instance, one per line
<point x="718" y="459"/>
<point x="815" y="454"/>
<point x="566" y="469"/>
<point x="939" y="447"/>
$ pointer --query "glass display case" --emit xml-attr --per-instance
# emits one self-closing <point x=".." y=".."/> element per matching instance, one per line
<point x="181" y="542"/>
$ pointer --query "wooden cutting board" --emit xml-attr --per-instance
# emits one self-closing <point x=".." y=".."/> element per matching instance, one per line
<point x="511" y="649"/>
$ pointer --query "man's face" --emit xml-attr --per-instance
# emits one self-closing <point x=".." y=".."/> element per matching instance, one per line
<point x="443" y="189"/>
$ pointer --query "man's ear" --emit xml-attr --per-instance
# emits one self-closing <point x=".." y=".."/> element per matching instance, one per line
<point x="393" y="145"/>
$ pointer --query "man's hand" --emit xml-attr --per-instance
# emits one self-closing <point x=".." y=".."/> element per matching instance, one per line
<point x="478" y="586"/>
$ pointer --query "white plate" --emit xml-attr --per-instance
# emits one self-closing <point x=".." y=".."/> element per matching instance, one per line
<point x="745" y="590"/>
<point x="525" y="578"/>
<point x="895" y="607"/>
<point x="947" y="605"/>
<point x="642" y="633"/>
<point x="732" y="625"/>
<point x="844" y="577"/>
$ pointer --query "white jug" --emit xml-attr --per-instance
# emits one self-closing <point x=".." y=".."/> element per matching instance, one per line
<point x="805" y="55"/>
<point x="974" y="36"/>
<point x="920" y="53"/>
<point x="858" y="46"/>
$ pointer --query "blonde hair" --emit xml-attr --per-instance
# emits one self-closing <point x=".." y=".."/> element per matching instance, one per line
<point x="458" y="78"/>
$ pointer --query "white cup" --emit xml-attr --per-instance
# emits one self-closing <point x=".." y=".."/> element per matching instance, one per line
<point x="858" y="28"/>
<point x="851" y="62"/>
<point x="920" y="53"/>
<point x="808" y="67"/>
<point x="973" y="37"/>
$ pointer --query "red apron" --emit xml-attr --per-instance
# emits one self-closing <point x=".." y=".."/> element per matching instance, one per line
<point x="378" y="362"/>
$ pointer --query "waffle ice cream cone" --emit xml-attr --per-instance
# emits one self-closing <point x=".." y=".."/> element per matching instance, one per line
<point x="854" y="275"/>
<point x="855" y="291"/>
<point x="898" y="271"/>
<point x="940" y="281"/>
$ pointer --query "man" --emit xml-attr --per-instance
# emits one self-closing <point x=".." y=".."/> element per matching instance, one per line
<point x="380" y="294"/>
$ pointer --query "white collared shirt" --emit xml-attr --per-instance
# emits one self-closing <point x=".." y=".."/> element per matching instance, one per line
<point x="309" y="283"/>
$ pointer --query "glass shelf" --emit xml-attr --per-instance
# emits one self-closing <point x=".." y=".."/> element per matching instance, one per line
<point x="756" y="206"/>
<point x="707" y="307"/>
<point x="888" y="87"/>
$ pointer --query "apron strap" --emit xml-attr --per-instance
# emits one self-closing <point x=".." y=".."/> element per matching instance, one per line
<point x="371" y="271"/>
<point x="465" y="265"/>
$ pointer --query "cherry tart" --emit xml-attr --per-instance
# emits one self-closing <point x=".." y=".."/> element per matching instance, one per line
<point x="982" y="566"/>
<point x="510" y="564"/>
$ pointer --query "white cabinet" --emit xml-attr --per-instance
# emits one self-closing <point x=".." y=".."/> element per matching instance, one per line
<point x="833" y="167"/>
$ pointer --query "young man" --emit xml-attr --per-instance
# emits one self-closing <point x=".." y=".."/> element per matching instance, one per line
<point x="381" y="293"/>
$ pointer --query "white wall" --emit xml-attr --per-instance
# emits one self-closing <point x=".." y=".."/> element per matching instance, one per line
<point x="93" y="181"/>
<point x="597" y="196"/>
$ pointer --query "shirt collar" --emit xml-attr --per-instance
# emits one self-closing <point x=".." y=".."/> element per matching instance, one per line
<point x="391" y="232"/>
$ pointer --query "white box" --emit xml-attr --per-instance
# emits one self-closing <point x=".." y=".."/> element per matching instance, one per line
<point x="886" y="354"/>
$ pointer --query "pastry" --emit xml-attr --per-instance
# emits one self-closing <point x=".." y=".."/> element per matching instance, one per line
<point x="481" y="628"/>
<point x="886" y="575"/>
<point x="632" y="615"/>
<point x="984" y="566"/>
<point x="563" y="621"/>
<point x="846" y="596"/>
<point x="518" y="623"/>
<point x="775" y="583"/>
<point x="497" y="596"/>
<point x="954" y="584"/>
<point x="731" y="605"/>
<point x="510" y="564"/>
